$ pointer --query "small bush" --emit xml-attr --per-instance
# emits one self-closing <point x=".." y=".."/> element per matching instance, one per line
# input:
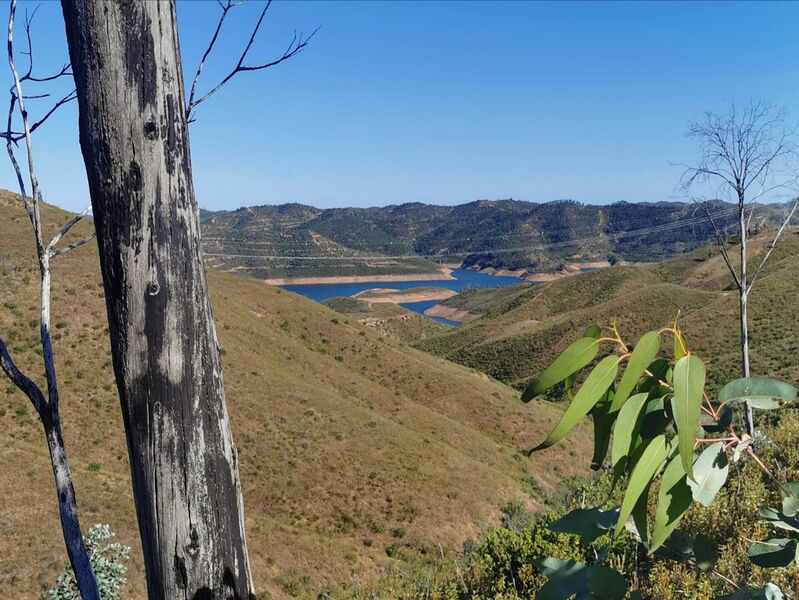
<point x="109" y="562"/>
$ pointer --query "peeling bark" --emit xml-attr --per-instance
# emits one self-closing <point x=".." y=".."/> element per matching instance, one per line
<point x="134" y="139"/>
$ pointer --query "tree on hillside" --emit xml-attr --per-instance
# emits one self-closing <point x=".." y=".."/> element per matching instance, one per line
<point x="746" y="154"/>
<point x="133" y="119"/>
<point x="46" y="405"/>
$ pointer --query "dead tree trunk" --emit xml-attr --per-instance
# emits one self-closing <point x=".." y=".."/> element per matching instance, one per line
<point x="133" y="135"/>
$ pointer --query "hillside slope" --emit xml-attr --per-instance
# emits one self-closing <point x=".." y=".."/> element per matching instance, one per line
<point x="518" y="337"/>
<point x="354" y="449"/>
<point x="293" y="240"/>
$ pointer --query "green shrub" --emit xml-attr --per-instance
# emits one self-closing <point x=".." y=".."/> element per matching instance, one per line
<point x="109" y="562"/>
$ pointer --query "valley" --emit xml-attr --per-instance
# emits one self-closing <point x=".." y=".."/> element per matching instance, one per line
<point x="355" y="449"/>
<point x="368" y="433"/>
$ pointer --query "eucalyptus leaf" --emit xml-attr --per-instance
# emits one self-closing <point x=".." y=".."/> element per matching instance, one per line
<point x="576" y="356"/>
<point x="640" y="515"/>
<point x="779" y="519"/>
<point x="591" y="392"/>
<point x="605" y="583"/>
<point x="655" y="420"/>
<point x="710" y="473"/>
<point x="659" y="370"/>
<point x="593" y="331"/>
<point x="626" y="429"/>
<point x="790" y="489"/>
<point x="642" y="355"/>
<point x="776" y="552"/>
<point x="587" y="523"/>
<point x="689" y="385"/>
<point x="645" y="470"/>
<point x="760" y="392"/>
<point x="674" y="498"/>
<point x="679" y="344"/>
<point x="603" y="423"/>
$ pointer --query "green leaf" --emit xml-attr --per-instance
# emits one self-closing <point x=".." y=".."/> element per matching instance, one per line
<point x="758" y="391"/>
<point x="575" y="357"/>
<point x="655" y="419"/>
<point x="605" y="583"/>
<point x="603" y="423"/>
<point x="779" y="519"/>
<point x="674" y="498"/>
<point x="645" y="470"/>
<point x="790" y="489"/>
<point x="776" y="552"/>
<point x="644" y="352"/>
<point x="568" y="579"/>
<point x="660" y="372"/>
<point x="568" y="386"/>
<point x="640" y="515"/>
<point x="710" y="473"/>
<point x="790" y="506"/>
<point x="588" y="523"/>
<point x="679" y="345"/>
<point x="625" y="431"/>
<point x="689" y="384"/>
<point x="591" y="392"/>
<point x="593" y="331"/>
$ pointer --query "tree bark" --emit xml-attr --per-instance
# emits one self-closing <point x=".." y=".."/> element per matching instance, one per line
<point x="133" y="135"/>
<point x="744" y="299"/>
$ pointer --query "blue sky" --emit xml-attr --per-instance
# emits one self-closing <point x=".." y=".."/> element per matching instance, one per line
<point x="450" y="102"/>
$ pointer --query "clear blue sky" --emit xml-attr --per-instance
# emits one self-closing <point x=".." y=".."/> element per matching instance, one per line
<point x="450" y="102"/>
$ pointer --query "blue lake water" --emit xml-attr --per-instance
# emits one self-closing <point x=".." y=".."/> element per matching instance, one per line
<point x="464" y="279"/>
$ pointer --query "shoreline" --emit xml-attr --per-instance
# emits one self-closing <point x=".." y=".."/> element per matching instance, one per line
<point x="451" y="314"/>
<point x="443" y="275"/>
<point x="404" y="296"/>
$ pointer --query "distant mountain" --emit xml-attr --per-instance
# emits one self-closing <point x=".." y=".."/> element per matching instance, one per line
<point x="293" y="240"/>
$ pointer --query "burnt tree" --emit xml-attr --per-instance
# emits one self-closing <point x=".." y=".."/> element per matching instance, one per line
<point x="133" y="135"/>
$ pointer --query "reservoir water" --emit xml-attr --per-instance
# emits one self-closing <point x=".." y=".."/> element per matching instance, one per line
<point x="464" y="279"/>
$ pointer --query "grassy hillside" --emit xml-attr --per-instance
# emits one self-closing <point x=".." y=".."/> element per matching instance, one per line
<point x="354" y="449"/>
<point x="388" y="319"/>
<point x="518" y="336"/>
<point x="277" y="241"/>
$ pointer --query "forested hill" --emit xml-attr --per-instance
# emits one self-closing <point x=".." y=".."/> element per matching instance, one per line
<point x="296" y="240"/>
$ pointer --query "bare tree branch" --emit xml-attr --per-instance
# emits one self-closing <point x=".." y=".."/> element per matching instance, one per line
<point x="22" y="381"/>
<point x="73" y="245"/>
<point x="774" y="243"/>
<point x="225" y="9"/>
<point x="738" y="150"/>
<point x="298" y="44"/>
<point x="48" y="409"/>
<point x="722" y="244"/>
<point x="65" y="229"/>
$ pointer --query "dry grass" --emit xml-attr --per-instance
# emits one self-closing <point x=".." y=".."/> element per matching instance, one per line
<point x="349" y="443"/>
